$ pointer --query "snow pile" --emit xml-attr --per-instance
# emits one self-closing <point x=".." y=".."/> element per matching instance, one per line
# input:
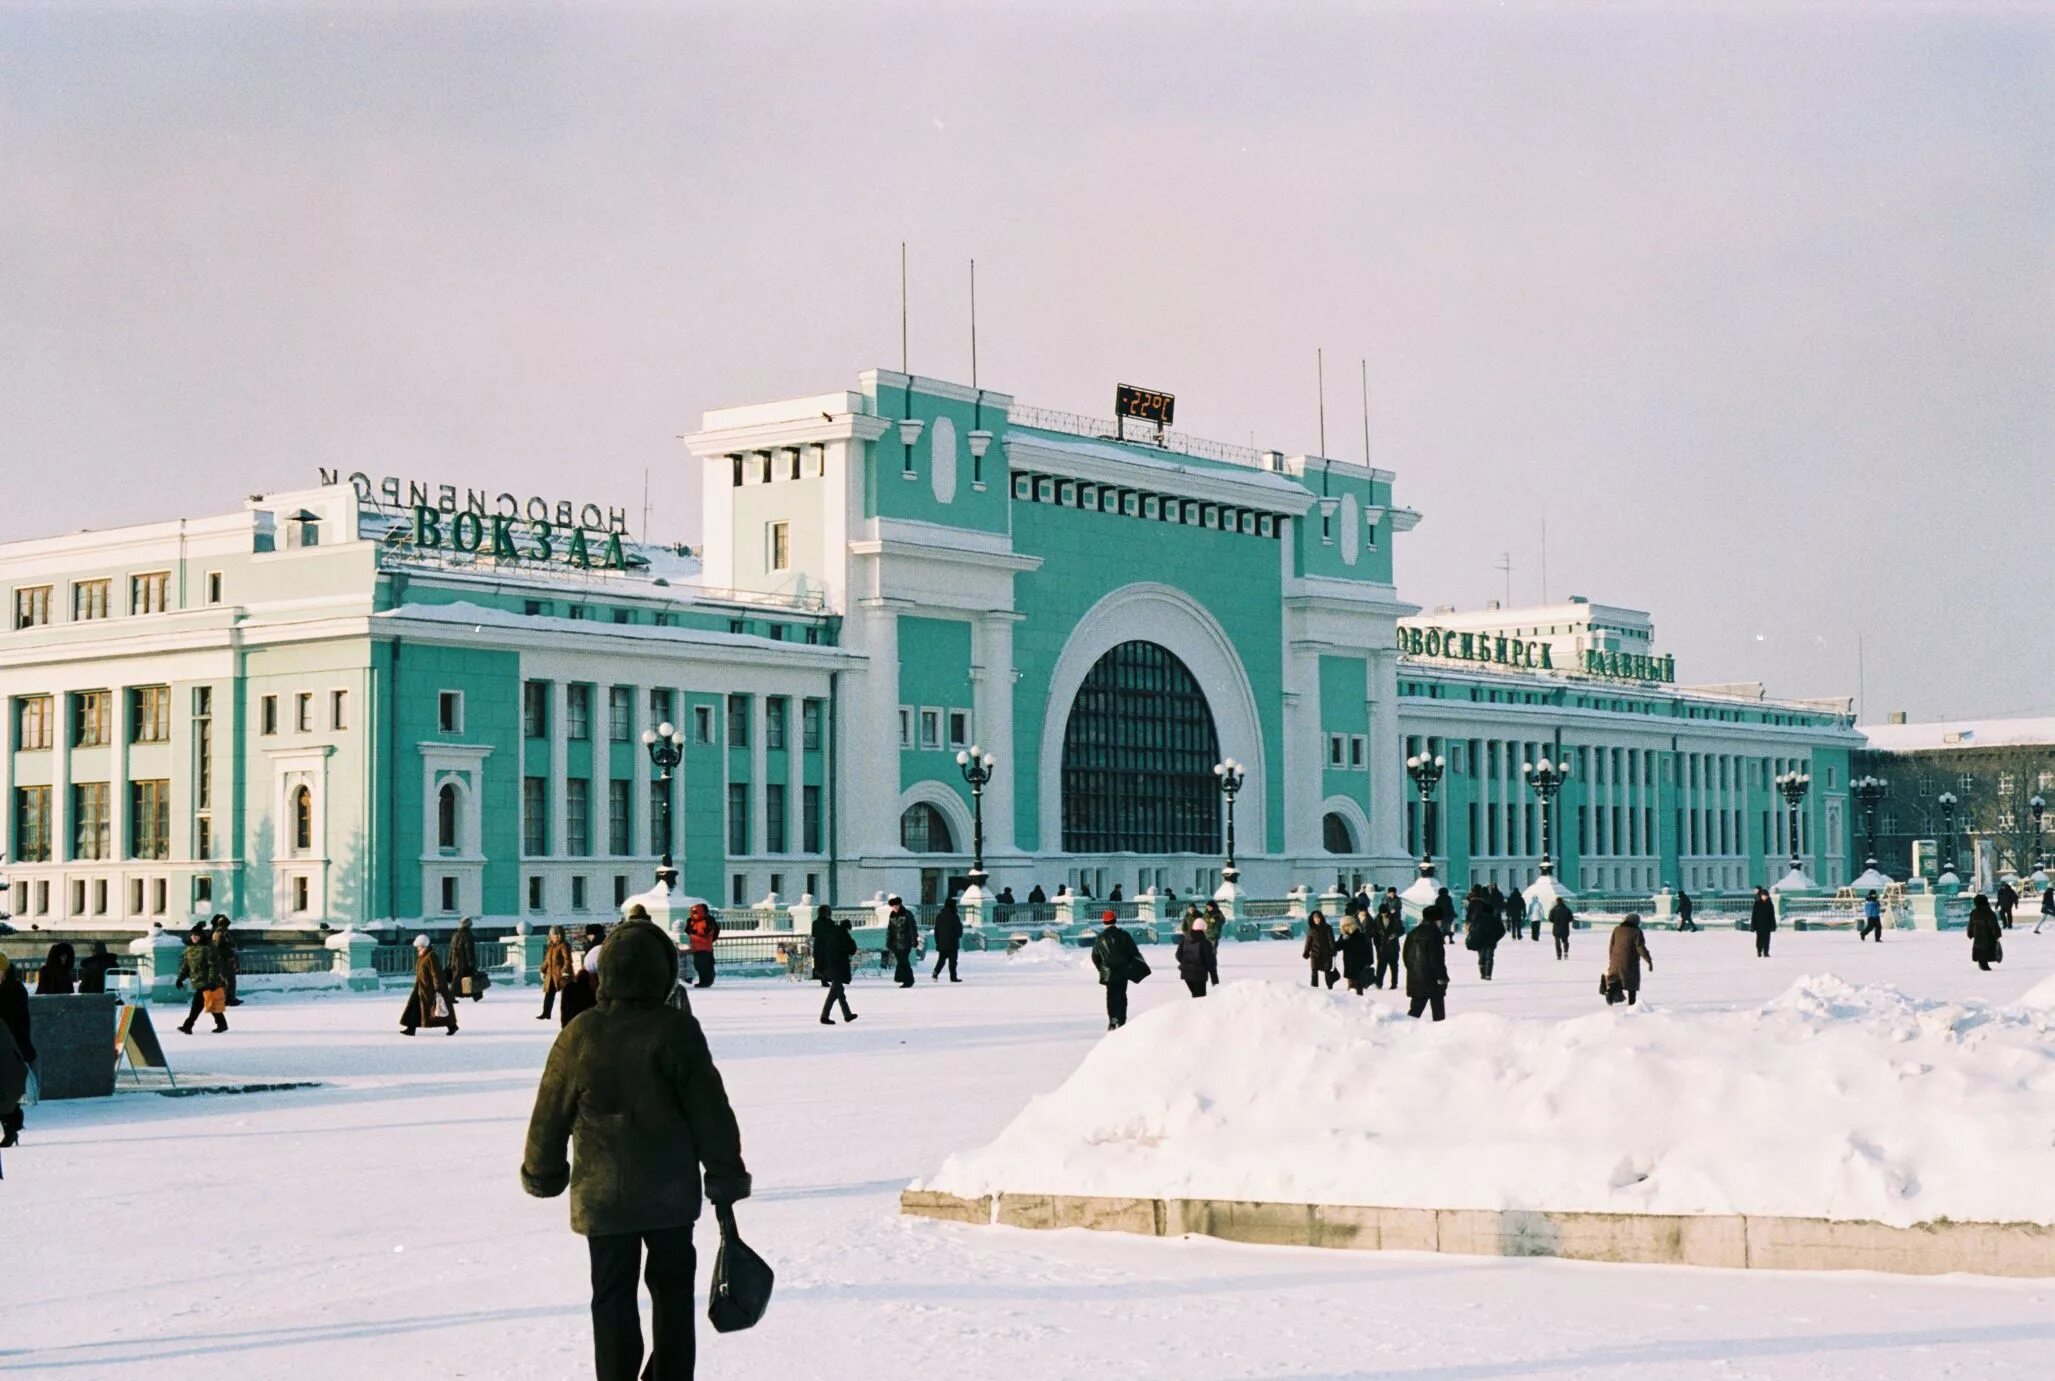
<point x="1832" y="1101"/>
<point x="1050" y="952"/>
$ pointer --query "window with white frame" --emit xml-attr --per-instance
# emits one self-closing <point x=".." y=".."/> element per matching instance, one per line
<point x="906" y="726"/>
<point x="1359" y="750"/>
<point x="777" y="546"/>
<point x="959" y="728"/>
<point x="1337" y="749"/>
<point x="930" y="728"/>
<point x="449" y="711"/>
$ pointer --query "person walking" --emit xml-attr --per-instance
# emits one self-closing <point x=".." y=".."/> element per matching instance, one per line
<point x="14" y="1086"/>
<point x="429" y="1002"/>
<point x="1319" y="948"/>
<point x="1684" y="909"/>
<point x="1986" y="947"/>
<point x="2047" y="907"/>
<point x="836" y="962"/>
<point x="464" y="978"/>
<point x="1216" y="925"/>
<point x="1196" y="963"/>
<point x="1119" y="962"/>
<point x="230" y="962"/>
<point x="1559" y="922"/>
<point x="1426" y="957"/>
<point x="1872" y="919"/>
<point x="1482" y="930"/>
<point x="556" y="969"/>
<point x="581" y="988"/>
<point x="1626" y="952"/>
<point x="1387" y="938"/>
<point x="821" y="941"/>
<point x="1762" y="919"/>
<point x="93" y="969"/>
<point x="701" y="930"/>
<point x="59" y="976"/>
<point x="1358" y="951"/>
<point x="948" y="940"/>
<point x="1445" y="915"/>
<point x="902" y="935"/>
<point x="14" y="1019"/>
<point x="1498" y="909"/>
<point x="199" y="968"/>
<point x="2008" y="902"/>
<point x="1513" y="911"/>
<point x="633" y="1094"/>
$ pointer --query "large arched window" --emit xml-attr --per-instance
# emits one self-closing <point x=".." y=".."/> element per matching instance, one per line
<point x="303" y="820"/>
<point x="925" y="830"/>
<point x="1339" y="838"/>
<point x="446" y="816"/>
<point x="1138" y="755"/>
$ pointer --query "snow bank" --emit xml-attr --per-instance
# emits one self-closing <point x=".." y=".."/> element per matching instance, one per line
<point x="1830" y="1101"/>
<point x="1052" y="953"/>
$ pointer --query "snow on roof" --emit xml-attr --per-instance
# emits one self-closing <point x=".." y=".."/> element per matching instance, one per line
<point x="1960" y="733"/>
<point x="1172" y="462"/>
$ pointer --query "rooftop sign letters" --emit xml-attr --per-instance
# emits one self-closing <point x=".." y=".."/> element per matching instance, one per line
<point x="1475" y="647"/>
<point x="394" y="494"/>
<point x="1630" y="666"/>
<point x="500" y="538"/>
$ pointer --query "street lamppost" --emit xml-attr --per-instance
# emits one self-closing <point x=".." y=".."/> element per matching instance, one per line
<point x="1867" y="792"/>
<point x="1426" y="769"/>
<point x="2037" y="806"/>
<point x="977" y="765"/>
<point x="1947" y="800"/>
<point x="666" y="746"/>
<point x="1546" y="778"/>
<point x="1230" y="773"/>
<point x="1792" y="786"/>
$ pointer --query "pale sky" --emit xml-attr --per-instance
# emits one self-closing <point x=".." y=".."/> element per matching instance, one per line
<point x="1756" y="303"/>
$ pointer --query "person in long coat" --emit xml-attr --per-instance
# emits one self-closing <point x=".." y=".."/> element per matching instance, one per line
<point x="14" y="1083"/>
<point x="1498" y="908"/>
<point x="821" y="942"/>
<point x="632" y="1093"/>
<point x="1197" y="962"/>
<point x="1426" y="959"/>
<point x="556" y="969"/>
<point x="1762" y="919"/>
<point x="1986" y="947"/>
<point x="1358" y="951"/>
<point x="1482" y="930"/>
<point x="2008" y="902"/>
<point x="1445" y="914"/>
<point x="14" y="1017"/>
<point x="200" y="969"/>
<point x="226" y="959"/>
<point x="429" y="1002"/>
<point x="2047" y="907"/>
<point x="836" y="963"/>
<point x="93" y="969"/>
<point x="1319" y="948"/>
<point x="1559" y="922"/>
<point x="948" y="940"/>
<point x="60" y="972"/>
<point x="1684" y="909"/>
<point x="701" y="930"/>
<point x="1626" y="952"/>
<point x="902" y="934"/>
<point x="581" y="989"/>
<point x="1388" y="935"/>
<point x="1513" y="911"/>
<point x="1119" y="962"/>
<point x="463" y="967"/>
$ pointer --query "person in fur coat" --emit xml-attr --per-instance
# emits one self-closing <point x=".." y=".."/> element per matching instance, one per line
<point x="429" y="1003"/>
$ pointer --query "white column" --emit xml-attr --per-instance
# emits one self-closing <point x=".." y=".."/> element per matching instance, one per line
<point x="559" y="816"/>
<point x="60" y="803"/>
<point x="599" y="796"/>
<point x="869" y="731"/>
<point x="795" y="786"/>
<point x="117" y="803"/>
<point x="992" y="705"/>
<point x="760" y="784"/>
<point x="640" y="825"/>
<point x="1387" y="758"/>
<point x="1305" y="759"/>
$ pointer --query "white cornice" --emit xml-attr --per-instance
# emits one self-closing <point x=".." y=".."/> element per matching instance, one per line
<point x="802" y="431"/>
<point x="1327" y="594"/>
<point x="874" y="379"/>
<point x="1259" y="490"/>
<point x="1404" y="519"/>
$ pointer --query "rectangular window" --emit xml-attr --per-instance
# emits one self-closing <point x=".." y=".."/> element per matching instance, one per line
<point x="774" y="712"/>
<point x="777" y="546"/>
<point x="338" y="710"/>
<point x="449" y="712"/>
<point x="214" y="587"/>
<point x="620" y="889"/>
<point x="89" y="600"/>
<point x="577" y="816"/>
<point x="303" y="712"/>
<point x="302" y="892"/>
<point x="810" y="820"/>
<point x="738" y="721"/>
<point x="738" y="819"/>
<point x="89" y="820"/>
<point x="618" y="820"/>
<point x="1359" y="750"/>
<point x="449" y="894"/>
<point x="91" y="719"/>
<point x="578" y="612"/>
<point x="959" y="728"/>
<point x="32" y="606"/>
<point x="1337" y="750"/>
<point x="203" y="837"/>
<point x="578" y="711"/>
<point x="535" y="709"/>
<point x="32" y="824"/>
<point x="135" y="897"/>
<point x="702" y="724"/>
<point x="931" y="728"/>
<point x="535" y="608"/>
<point x="535" y="816"/>
<point x="624" y="616"/>
<point x="774" y="818"/>
<point x="906" y="726"/>
<point x="738" y="888"/>
<point x="32" y="722"/>
<point x="810" y="725"/>
<point x="267" y="715"/>
<point x="535" y="894"/>
<point x="660" y="708"/>
<point x="577" y="894"/>
<point x="146" y="592"/>
<point x="149" y="819"/>
<point x="620" y="710"/>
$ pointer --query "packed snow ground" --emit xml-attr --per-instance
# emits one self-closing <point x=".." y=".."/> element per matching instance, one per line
<point x="374" y="1226"/>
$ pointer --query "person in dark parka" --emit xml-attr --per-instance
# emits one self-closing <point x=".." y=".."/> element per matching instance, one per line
<point x="226" y="958"/>
<point x="14" y="1085"/>
<point x="902" y="935"/>
<point x="92" y="970"/>
<point x="1445" y="914"/>
<point x="1319" y="948"/>
<point x="429" y="1002"/>
<point x="1426" y="959"/>
<point x="1358" y="951"/>
<point x="821" y="941"/>
<point x="2008" y="902"/>
<point x="14" y="1017"/>
<point x="1511" y="926"/>
<point x="1559" y="922"/>
<point x="581" y="989"/>
<point x="1389" y="935"/>
<point x="59" y="976"/>
<point x="463" y="965"/>
<point x="1762" y="919"/>
<point x="1513" y="911"/>
<point x="1626" y="952"/>
<point x="1118" y="960"/>
<point x="837" y="963"/>
<point x="1197" y="963"/>
<point x="199" y="969"/>
<point x="948" y="940"/>
<point x="2047" y="907"/>
<point x="632" y="1089"/>
<point x="1986" y="947"/>
<point x="1684" y="909"/>
<point x="1482" y="930"/>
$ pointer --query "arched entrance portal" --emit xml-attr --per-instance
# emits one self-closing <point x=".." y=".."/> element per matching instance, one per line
<point x="1138" y="752"/>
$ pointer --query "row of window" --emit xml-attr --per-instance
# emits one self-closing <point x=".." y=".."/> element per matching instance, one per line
<point x="149" y="821"/>
<point x="91" y="719"/>
<point x="303" y="712"/>
<point x="1164" y="508"/>
<point x="1348" y="750"/>
<point x="537" y="817"/>
<point x="93" y="896"/>
<point x="91" y="600"/>
<point x="578" y="710"/>
<point x="933" y="727"/>
<point x="1678" y="709"/>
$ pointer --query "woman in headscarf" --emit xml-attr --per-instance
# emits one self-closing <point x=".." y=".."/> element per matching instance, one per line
<point x="429" y="1003"/>
<point x="1985" y="946"/>
<point x="556" y="969"/>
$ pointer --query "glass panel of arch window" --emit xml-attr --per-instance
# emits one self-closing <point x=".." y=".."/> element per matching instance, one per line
<point x="1138" y="755"/>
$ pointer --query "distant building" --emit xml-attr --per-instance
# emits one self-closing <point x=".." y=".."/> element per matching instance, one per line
<point x="1994" y="768"/>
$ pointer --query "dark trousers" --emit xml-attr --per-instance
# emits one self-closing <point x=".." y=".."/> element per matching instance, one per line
<point x="703" y="965"/>
<point x="902" y="967"/>
<point x="549" y="1000"/>
<point x="836" y="995"/>
<point x="1420" y="1004"/>
<point x="10" y="1122"/>
<point x="1116" y="1003"/>
<point x="1387" y="963"/>
<point x="199" y="1005"/>
<point x="1319" y="973"/>
<point x="616" y="1324"/>
<point x="2004" y="916"/>
<point x="947" y="957"/>
<point x="1762" y="944"/>
<point x="1196" y="985"/>
<point x="1562" y="947"/>
<point x="1484" y="958"/>
<point x="235" y="1001"/>
<point x="1869" y="928"/>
